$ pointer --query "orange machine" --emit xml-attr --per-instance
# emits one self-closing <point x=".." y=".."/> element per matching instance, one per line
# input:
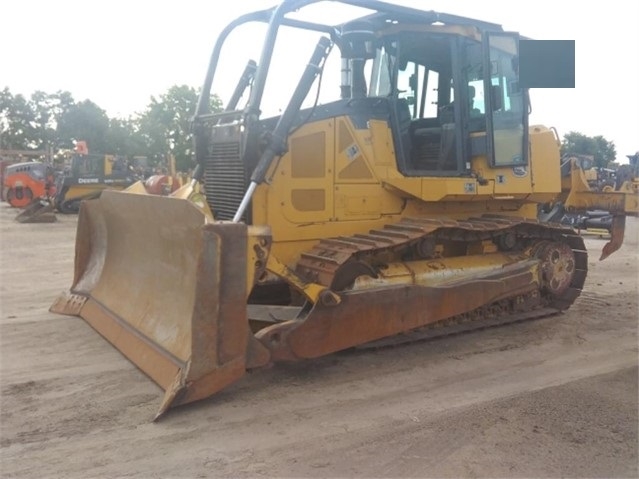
<point x="25" y="182"/>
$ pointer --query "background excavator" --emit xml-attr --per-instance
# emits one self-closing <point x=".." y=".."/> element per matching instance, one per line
<point x="403" y="206"/>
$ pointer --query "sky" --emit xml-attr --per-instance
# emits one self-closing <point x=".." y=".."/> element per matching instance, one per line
<point x="120" y="53"/>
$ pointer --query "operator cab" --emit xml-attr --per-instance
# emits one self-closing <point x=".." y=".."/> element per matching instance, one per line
<point x="443" y="104"/>
<point x="448" y="87"/>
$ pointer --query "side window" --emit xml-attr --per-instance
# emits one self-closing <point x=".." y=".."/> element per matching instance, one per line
<point x="419" y="86"/>
<point x="475" y="89"/>
<point x="477" y="104"/>
<point x="380" y="74"/>
<point x="504" y="78"/>
<point x="409" y="83"/>
<point x="432" y="95"/>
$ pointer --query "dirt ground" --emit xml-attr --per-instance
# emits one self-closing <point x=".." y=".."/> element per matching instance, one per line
<point x="555" y="397"/>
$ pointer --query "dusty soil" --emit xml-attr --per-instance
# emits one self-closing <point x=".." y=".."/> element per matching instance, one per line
<point x="555" y="397"/>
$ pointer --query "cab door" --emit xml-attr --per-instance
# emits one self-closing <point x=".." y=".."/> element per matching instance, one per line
<point x="506" y="103"/>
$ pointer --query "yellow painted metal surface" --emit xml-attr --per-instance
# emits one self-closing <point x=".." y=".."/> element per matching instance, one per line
<point x="581" y="197"/>
<point x="545" y="162"/>
<point x="300" y="192"/>
<point x="440" y="271"/>
<point x="352" y="159"/>
<point x="337" y="179"/>
<point x="312" y="291"/>
<point x="108" y="164"/>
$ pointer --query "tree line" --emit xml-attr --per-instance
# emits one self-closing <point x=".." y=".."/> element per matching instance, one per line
<point x="602" y="150"/>
<point x="55" y="121"/>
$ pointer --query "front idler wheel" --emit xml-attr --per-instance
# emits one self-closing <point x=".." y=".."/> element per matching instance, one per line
<point x="557" y="262"/>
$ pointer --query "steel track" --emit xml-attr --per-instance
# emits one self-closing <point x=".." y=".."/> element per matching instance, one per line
<point x="331" y="262"/>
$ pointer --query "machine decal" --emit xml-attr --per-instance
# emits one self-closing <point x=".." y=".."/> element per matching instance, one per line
<point x="87" y="180"/>
<point x="520" y="171"/>
<point x="352" y="152"/>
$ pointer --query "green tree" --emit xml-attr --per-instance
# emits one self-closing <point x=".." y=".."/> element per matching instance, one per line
<point x="124" y="139"/>
<point x="165" y="124"/>
<point x="602" y="150"/>
<point x="48" y="108"/>
<point x="17" y="122"/>
<point x="56" y="120"/>
<point x="84" y="121"/>
<point x="32" y="123"/>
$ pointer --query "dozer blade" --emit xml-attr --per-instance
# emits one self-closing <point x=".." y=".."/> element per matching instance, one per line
<point x="39" y="211"/>
<point x="167" y="288"/>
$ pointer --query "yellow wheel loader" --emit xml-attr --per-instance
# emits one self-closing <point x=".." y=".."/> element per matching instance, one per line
<point x="407" y="205"/>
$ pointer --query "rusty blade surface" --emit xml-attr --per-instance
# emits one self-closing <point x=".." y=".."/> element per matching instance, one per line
<point x="166" y="289"/>
<point x="364" y="316"/>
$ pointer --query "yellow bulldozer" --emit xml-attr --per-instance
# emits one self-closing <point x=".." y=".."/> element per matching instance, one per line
<point x="405" y="206"/>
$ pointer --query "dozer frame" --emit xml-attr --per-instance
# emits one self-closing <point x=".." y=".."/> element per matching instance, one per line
<point x="339" y="224"/>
